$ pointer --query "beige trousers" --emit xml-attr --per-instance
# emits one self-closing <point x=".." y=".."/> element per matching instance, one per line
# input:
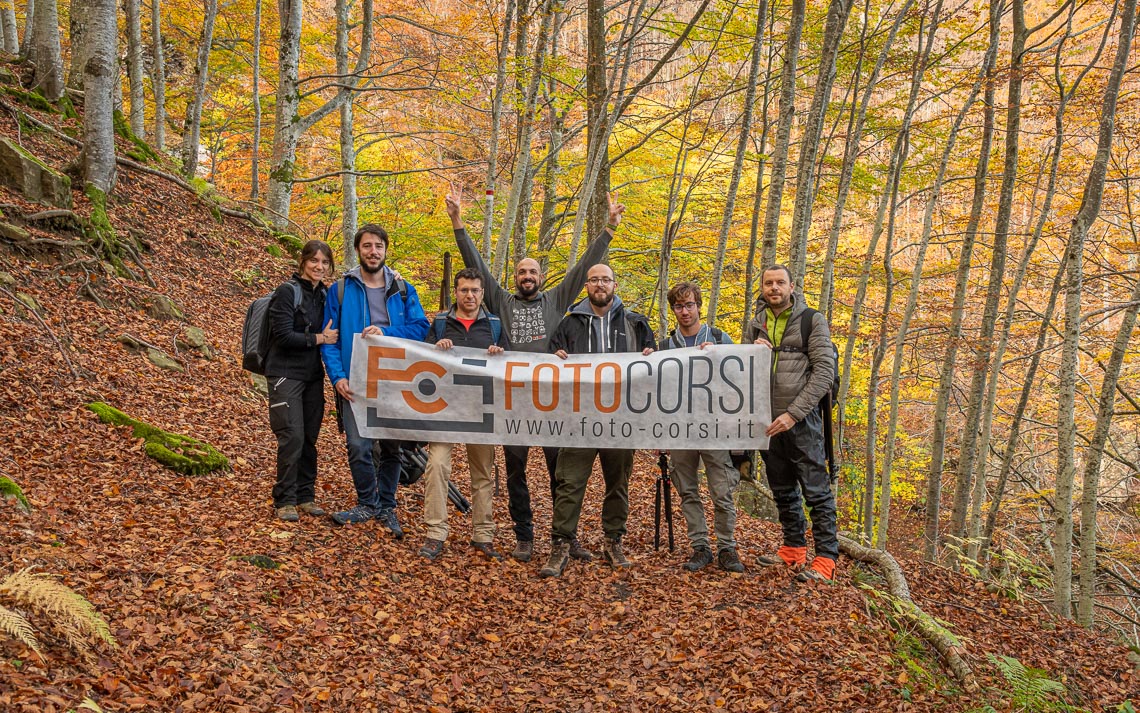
<point x="481" y="460"/>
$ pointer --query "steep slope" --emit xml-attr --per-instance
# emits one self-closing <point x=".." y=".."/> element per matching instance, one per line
<point x="353" y="620"/>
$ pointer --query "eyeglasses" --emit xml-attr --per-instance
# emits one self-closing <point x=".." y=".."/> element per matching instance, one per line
<point x="682" y="306"/>
<point x="469" y="290"/>
<point x="600" y="281"/>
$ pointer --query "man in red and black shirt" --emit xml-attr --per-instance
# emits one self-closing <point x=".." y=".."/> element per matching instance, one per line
<point x="466" y="324"/>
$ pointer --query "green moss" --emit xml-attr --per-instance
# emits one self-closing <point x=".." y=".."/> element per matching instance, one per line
<point x="122" y="128"/>
<point x="9" y="489"/>
<point x="283" y="173"/>
<point x="32" y="99"/>
<point x="292" y="244"/>
<point x="274" y="250"/>
<point x="102" y="232"/>
<point x="67" y="107"/>
<point x="262" y="561"/>
<point x="182" y="454"/>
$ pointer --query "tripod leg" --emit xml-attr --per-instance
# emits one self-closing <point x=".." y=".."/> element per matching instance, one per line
<point x="669" y="513"/>
<point x="657" y="516"/>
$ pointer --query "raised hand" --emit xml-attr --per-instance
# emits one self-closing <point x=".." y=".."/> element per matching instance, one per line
<point x="615" y="210"/>
<point x="454" y="204"/>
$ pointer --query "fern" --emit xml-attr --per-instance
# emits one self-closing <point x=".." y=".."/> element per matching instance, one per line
<point x="1031" y="689"/>
<point x="16" y="626"/>
<point x="9" y="489"/>
<point x="67" y="611"/>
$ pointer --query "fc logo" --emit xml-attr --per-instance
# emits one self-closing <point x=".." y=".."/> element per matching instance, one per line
<point x="424" y="392"/>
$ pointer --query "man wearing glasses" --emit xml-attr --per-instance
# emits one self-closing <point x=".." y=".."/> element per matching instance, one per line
<point x="530" y="315"/>
<point x="466" y="324"/>
<point x="599" y="324"/>
<point x="685" y="300"/>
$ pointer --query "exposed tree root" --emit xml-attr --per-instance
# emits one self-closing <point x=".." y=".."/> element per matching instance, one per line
<point x="944" y="642"/>
<point x="47" y="330"/>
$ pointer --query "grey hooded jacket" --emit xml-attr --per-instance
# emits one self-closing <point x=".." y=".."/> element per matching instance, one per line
<point x="800" y="379"/>
<point x="529" y="323"/>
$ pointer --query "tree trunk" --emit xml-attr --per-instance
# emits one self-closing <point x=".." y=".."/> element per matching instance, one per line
<point x="158" y="73"/>
<point x="783" y="134"/>
<point x="289" y="124"/>
<point x="837" y="13"/>
<point x="597" y="101"/>
<point x="45" y="51"/>
<point x="522" y="165"/>
<point x="496" y="124"/>
<point x="192" y="126"/>
<point x="29" y="28"/>
<point x="11" y="31"/>
<point x="77" y="36"/>
<point x="101" y="73"/>
<point x="255" y="101"/>
<point x="750" y="272"/>
<point x="737" y="164"/>
<point x="957" y="311"/>
<point x="1074" y="255"/>
<point x="347" y="143"/>
<point x="135" y="68"/>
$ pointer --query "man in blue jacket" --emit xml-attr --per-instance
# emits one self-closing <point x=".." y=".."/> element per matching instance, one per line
<point x="369" y="299"/>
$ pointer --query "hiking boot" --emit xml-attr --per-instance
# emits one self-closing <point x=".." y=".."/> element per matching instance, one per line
<point x="488" y="550"/>
<point x="524" y="550"/>
<point x="580" y="553"/>
<point x="702" y="557"/>
<point x="432" y="549"/>
<point x="287" y="513"/>
<point x="387" y="518"/>
<point x="358" y="514"/>
<point x="556" y="563"/>
<point x="727" y="560"/>
<point x="789" y="556"/>
<point x="612" y="554"/>
<point x="822" y="570"/>
<point x="311" y="508"/>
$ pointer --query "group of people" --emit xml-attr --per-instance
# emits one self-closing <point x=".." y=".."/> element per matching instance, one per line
<point x="372" y="298"/>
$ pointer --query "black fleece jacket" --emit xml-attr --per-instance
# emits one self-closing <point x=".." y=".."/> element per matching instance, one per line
<point x="293" y="350"/>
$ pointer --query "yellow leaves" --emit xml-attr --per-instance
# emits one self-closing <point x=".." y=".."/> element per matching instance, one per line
<point x="493" y="638"/>
<point x="394" y="639"/>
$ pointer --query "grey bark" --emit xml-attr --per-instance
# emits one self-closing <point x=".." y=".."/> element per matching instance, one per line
<point x="11" y="31"/>
<point x="192" y="126"/>
<point x="158" y="72"/>
<point x="837" y="13"/>
<point x="347" y="142"/>
<point x="29" y="28"/>
<point x="135" y="68"/>
<point x="77" y="32"/>
<point x="101" y="72"/>
<point x="758" y="196"/>
<point x="496" y="125"/>
<point x="783" y="134"/>
<point x="45" y="51"/>
<point x="1074" y="255"/>
<point x="255" y="101"/>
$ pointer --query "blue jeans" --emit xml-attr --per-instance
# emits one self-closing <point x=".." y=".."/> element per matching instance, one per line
<point x="375" y="465"/>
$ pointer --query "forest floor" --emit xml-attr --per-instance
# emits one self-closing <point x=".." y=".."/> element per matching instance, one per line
<point x="353" y="619"/>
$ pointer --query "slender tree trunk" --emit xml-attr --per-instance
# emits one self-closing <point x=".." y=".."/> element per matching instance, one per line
<point x="77" y="38"/>
<point x="1074" y="255"/>
<point x="597" y="100"/>
<point x="496" y="124"/>
<point x="101" y="72"/>
<point x="158" y="74"/>
<point x="289" y="124"/>
<point x="783" y="134"/>
<point x="750" y="297"/>
<point x="135" y="68"/>
<point x="347" y="142"/>
<point x="11" y="31"/>
<point x="46" y="54"/>
<point x="847" y="170"/>
<point x="957" y="311"/>
<point x="837" y="13"/>
<point x="29" y="29"/>
<point x="255" y="101"/>
<point x="737" y="164"/>
<point x="191" y="127"/>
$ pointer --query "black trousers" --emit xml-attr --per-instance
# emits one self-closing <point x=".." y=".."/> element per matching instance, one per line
<point x="296" y="409"/>
<point x="519" y="493"/>
<point x="797" y="474"/>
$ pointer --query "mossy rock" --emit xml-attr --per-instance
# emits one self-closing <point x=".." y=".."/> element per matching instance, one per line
<point x="6" y="279"/>
<point x="182" y="454"/>
<point x="260" y="561"/>
<point x="32" y="178"/>
<point x="274" y="250"/>
<point x="9" y="490"/>
<point x="164" y="308"/>
<point x="292" y="244"/>
<point x="142" y="152"/>
<point x="163" y="360"/>
<point x="194" y="338"/>
<point x="33" y="99"/>
<point x="259" y="384"/>
<point x="13" y="232"/>
<point x="30" y="302"/>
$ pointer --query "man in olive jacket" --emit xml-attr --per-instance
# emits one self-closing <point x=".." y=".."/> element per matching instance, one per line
<point x="530" y="315"/>
<point x="796" y="460"/>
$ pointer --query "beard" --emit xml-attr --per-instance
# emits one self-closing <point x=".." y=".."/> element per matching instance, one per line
<point x="527" y="289"/>
<point x="601" y="301"/>
<point x="372" y="270"/>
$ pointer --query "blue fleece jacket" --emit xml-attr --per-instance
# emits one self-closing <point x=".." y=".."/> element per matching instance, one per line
<point x="407" y="319"/>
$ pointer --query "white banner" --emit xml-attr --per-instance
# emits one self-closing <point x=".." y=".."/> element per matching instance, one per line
<point x="715" y="398"/>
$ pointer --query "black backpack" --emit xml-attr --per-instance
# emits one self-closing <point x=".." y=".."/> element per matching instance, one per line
<point x="255" y="330"/>
<point x="807" y="323"/>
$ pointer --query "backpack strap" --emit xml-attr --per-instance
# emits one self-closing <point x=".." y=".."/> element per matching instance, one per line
<point x="807" y="322"/>
<point x="496" y="327"/>
<point x="402" y="286"/>
<point x="439" y="324"/>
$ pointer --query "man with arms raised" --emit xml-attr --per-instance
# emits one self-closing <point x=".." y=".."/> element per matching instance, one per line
<point x="803" y="369"/>
<point x="599" y="324"/>
<point x="530" y="315"/>
<point x="685" y="301"/>
<point x="369" y="299"/>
